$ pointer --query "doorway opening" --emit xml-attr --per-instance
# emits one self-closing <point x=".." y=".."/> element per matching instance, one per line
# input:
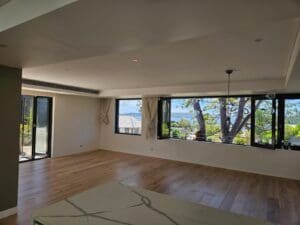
<point x="35" y="128"/>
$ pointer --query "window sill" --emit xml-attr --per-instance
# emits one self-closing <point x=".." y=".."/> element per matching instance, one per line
<point x="128" y="134"/>
<point x="206" y="142"/>
<point x="235" y="145"/>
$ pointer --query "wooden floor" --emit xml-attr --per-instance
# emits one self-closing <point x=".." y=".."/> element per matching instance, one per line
<point x="50" y="180"/>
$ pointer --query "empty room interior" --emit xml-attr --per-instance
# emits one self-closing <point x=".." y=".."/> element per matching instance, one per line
<point x="149" y="112"/>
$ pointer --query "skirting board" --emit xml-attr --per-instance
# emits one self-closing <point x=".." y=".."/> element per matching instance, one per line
<point x="8" y="212"/>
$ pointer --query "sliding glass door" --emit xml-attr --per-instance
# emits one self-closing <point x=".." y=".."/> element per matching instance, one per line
<point x="26" y="128"/>
<point x="35" y="128"/>
<point x="42" y="127"/>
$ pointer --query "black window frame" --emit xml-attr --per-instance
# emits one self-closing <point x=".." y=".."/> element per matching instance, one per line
<point x="274" y="144"/>
<point x="160" y="119"/>
<point x="281" y="118"/>
<point x="194" y="97"/>
<point x="278" y="99"/>
<point x="49" y="130"/>
<point x="117" y="101"/>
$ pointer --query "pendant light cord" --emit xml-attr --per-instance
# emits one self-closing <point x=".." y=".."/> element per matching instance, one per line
<point x="228" y="85"/>
<point x="229" y="72"/>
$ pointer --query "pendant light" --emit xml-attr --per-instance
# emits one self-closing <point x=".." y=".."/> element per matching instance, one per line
<point x="228" y="116"/>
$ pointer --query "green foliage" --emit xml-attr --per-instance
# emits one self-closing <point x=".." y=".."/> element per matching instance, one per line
<point x="211" y="108"/>
<point x="263" y="123"/>
<point x="242" y="138"/>
<point x="26" y="129"/>
<point x="165" y="129"/>
<point x="292" y="111"/>
<point x="239" y="141"/>
<point x="185" y="124"/>
<point x="292" y="119"/>
<point x="181" y="129"/>
<point x="26" y="126"/>
<point x="214" y="138"/>
<point x="212" y="130"/>
<point x="176" y="133"/>
<point x="291" y="131"/>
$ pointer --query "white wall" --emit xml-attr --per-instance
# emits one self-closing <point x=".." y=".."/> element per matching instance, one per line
<point x="76" y="126"/>
<point x="279" y="163"/>
<point x="75" y="123"/>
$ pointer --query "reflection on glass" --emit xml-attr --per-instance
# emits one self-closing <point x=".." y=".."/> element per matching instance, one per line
<point x="42" y="127"/>
<point x="292" y="122"/>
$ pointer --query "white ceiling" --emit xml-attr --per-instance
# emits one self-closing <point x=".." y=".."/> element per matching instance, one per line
<point x="91" y="43"/>
<point x="15" y="12"/>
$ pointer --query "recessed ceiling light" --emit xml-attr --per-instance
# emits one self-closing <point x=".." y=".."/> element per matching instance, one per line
<point x="135" y="60"/>
<point x="257" y="40"/>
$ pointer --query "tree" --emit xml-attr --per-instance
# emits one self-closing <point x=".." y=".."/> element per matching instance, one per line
<point x="201" y="135"/>
<point x="233" y="108"/>
<point x="242" y="115"/>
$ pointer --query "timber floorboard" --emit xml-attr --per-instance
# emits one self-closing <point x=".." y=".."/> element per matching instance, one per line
<point x="47" y="181"/>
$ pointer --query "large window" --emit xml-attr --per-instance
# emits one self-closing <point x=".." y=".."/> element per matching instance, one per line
<point x="263" y="121"/>
<point x="224" y="120"/>
<point x="128" y="116"/>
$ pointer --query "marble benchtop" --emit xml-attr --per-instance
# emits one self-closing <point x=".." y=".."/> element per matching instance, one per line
<point x="115" y="203"/>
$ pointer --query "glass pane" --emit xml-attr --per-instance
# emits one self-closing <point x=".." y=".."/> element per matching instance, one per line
<point x="212" y="119"/>
<point x="239" y="112"/>
<point x="263" y="122"/>
<point x="42" y="127"/>
<point x="195" y="119"/>
<point x="26" y="128"/>
<point x="130" y="117"/>
<point x="207" y="118"/>
<point x="165" y="117"/>
<point x="182" y="119"/>
<point x="292" y="122"/>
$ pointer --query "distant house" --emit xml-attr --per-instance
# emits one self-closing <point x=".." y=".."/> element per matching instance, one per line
<point x="129" y="124"/>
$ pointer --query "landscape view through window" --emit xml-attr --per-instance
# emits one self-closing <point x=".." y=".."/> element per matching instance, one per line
<point x="129" y="116"/>
<point x="212" y="119"/>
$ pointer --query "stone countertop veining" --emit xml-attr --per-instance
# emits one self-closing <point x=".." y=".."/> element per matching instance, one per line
<point x="115" y="203"/>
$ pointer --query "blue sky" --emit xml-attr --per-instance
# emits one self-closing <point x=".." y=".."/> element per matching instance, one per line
<point x="128" y="106"/>
<point x="176" y="106"/>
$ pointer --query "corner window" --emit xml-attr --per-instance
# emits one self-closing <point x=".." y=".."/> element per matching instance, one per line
<point x="129" y="116"/>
